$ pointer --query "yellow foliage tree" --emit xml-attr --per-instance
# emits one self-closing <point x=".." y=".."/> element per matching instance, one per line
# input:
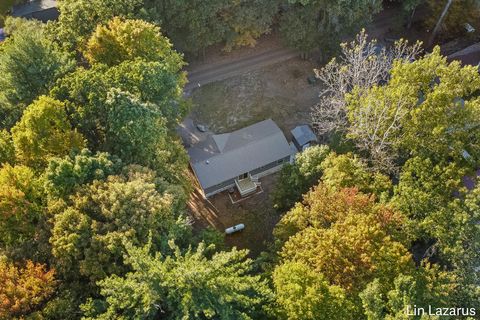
<point x="44" y="131"/>
<point x="122" y="40"/>
<point x="22" y="289"/>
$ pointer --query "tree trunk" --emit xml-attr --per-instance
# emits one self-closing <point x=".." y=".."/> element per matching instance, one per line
<point x="439" y="22"/>
<point x="410" y="20"/>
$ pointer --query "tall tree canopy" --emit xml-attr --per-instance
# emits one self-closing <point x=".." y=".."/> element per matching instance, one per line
<point x="44" y="131"/>
<point x="182" y="286"/>
<point x="349" y="171"/>
<point x="78" y="18"/>
<point x="297" y="178"/>
<point x="428" y="285"/>
<point x="361" y="65"/>
<point x="20" y="212"/>
<point x="441" y="211"/>
<point x="303" y="294"/>
<point x="121" y="40"/>
<point x="88" y="232"/>
<point x="86" y="90"/>
<point x="428" y="108"/>
<point x="7" y="151"/>
<point x="30" y="63"/>
<point x="64" y="176"/>
<point x="310" y="24"/>
<point x="195" y="25"/>
<point x="347" y="238"/>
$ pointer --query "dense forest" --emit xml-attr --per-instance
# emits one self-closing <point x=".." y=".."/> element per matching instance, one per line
<point x="94" y="183"/>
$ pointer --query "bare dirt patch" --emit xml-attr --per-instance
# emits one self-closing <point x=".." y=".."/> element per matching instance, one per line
<point x="256" y="213"/>
<point x="280" y="92"/>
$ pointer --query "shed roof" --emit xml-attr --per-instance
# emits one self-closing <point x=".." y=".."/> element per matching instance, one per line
<point x="226" y="156"/>
<point x="303" y="134"/>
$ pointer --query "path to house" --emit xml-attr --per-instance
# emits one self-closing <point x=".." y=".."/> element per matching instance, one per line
<point x="269" y="50"/>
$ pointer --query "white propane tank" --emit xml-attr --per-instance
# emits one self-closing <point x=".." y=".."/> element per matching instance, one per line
<point x="234" y="229"/>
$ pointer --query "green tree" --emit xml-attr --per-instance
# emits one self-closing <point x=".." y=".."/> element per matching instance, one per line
<point x="79" y="18"/>
<point x="425" y="187"/>
<point x="182" y="286"/>
<point x="445" y="122"/>
<point x="427" y="109"/>
<point x="247" y="20"/>
<point x="347" y="238"/>
<point x="443" y="217"/>
<point x="44" y="131"/>
<point x="87" y="234"/>
<point x="310" y="24"/>
<point x="195" y="25"/>
<point x="299" y="28"/>
<point x="123" y="40"/>
<point x="64" y="176"/>
<point x="137" y="133"/>
<point x="302" y="294"/>
<point x="348" y="171"/>
<point x="30" y="64"/>
<point x="7" y="151"/>
<point x="86" y="91"/>
<point x="296" y="179"/>
<point x="192" y="25"/>
<point x="428" y="285"/>
<point x="440" y="211"/>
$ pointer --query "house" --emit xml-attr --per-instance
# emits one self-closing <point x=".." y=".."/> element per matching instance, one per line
<point x="303" y="137"/>
<point x="238" y="159"/>
<point x="43" y="10"/>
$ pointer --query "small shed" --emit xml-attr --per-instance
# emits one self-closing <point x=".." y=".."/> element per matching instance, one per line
<point x="303" y="136"/>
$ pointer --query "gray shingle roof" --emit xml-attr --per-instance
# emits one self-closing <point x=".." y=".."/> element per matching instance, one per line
<point x="226" y="156"/>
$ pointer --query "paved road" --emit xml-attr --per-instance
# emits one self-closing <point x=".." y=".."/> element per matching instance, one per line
<point x="203" y="74"/>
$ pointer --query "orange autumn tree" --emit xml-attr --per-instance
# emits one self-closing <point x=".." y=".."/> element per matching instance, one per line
<point x="346" y="236"/>
<point x="22" y="289"/>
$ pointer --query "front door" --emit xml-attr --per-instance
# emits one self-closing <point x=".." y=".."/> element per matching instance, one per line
<point x="243" y="176"/>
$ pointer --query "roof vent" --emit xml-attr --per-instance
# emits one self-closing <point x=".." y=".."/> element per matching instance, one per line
<point x="207" y="162"/>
